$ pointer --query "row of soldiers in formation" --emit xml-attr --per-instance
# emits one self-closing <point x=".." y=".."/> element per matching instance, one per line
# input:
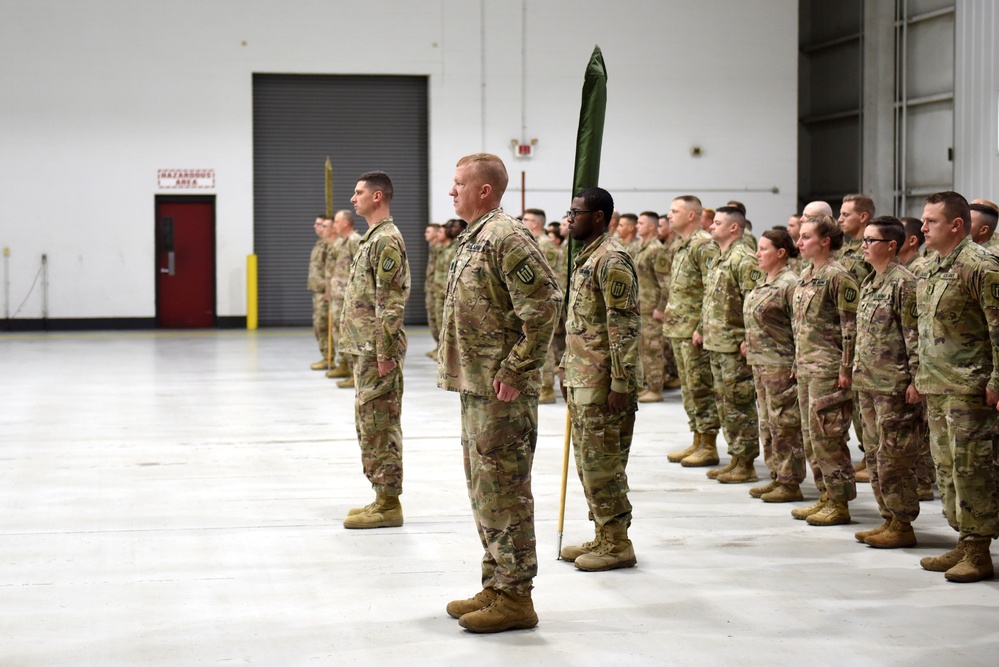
<point x="748" y="335"/>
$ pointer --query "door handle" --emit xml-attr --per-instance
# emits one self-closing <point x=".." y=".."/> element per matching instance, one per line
<point x="170" y="265"/>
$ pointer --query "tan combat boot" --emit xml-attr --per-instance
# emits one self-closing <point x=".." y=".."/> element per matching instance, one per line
<point x="341" y="371"/>
<point x="651" y="395"/>
<point x="320" y="365"/>
<point x="385" y="512"/>
<point x="744" y="471"/>
<point x="706" y="455"/>
<point x="547" y="396"/>
<point x="728" y="467"/>
<point x="976" y="564"/>
<point x="784" y="493"/>
<point x="860" y="472"/>
<point x="571" y="553"/>
<point x="944" y="562"/>
<point x="347" y="382"/>
<point x="805" y="512"/>
<point x="481" y="600"/>
<point x="676" y="457"/>
<point x="616" y="551"/>
<point x="432" y="354"/>
<point x="758" y="491"/>
<point x="898" y="535"/>
<point x="833" y="513"/>
<point x="671" y="383"/>
<point x="862" y="535"/>
<point x="509" y="611"/>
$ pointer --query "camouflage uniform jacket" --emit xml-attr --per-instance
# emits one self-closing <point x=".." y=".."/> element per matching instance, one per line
<point x="376" y="295"/>
<point x="444" y="258"/>
<point x="332" y="252"/>
<point x="693" y="258"/>
<point x="992" y="245"/>
<point x="731" y="277"/>
<point x="346" y="249"/>
<point x="851" y="258"/>
<point x="887" y="355"/>
<point x="825" y="321"/>
<point x="317" y="266"/>
<point x="430" y="279"/>
<point x="603" y="324"/>
<point x="768" y="316"/>
<point x="631" y="247"/>
<point x="749" y="240"/>
<point x="652" y="264"/>
<point x="958" y="305"/>
<point x="548" y="249"/>
<point x="500" y="309"/>
<point x="919" y="265"/>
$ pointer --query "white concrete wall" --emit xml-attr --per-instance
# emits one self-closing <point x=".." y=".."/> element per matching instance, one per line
<point x="96" y="96"/>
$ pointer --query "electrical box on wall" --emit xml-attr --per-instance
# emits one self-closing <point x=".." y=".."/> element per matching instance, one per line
<point x="522" y="149"/>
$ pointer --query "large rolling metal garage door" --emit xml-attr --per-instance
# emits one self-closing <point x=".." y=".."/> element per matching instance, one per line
<point x="362" y="123"/>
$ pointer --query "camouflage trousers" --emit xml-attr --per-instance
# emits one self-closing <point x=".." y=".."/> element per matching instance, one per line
<point x="669" y="361"/>
<point x="735" y="396"/>
<point x="825" y="423"/>
<point x="377" y="418"/>
<point x="321" y="321"/>
<point x="336" y="308"/>
<point x="962" y="439"/>
<point x="926" y="473"/>
<point x="548" y="370"/>
<point x="498" y="441"/>
<point x="652" y="352"/>
<point x="780" y="426"/>
<point x="893" y="435"/>
<point x="601" y="442"/>
<point x="696" y="385"/>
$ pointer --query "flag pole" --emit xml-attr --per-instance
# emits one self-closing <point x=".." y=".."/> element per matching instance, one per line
<point x="329" y="311"/>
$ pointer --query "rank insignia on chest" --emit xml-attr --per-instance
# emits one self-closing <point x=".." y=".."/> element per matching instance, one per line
<point x="850" y="294"/>
<point x="388" y="264"/>
<point x="617" y="289"/>
<point x="526" y="274"/>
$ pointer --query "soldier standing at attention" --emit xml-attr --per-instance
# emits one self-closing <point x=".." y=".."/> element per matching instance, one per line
<point x="534" y="220"/>
<point x="627" y="233"/>
<point x="431" y="287"/>
<point x="499" y="314"/>
<point x="600" y="375"/>
<point x="769" y="349"/>
<point x="959" y="375"/>
<point x="346" y="243"/>
<point x="793" y="227"/>
<point x="731" y="277"/>
<point x="318" y="287"/>
<point x="670" y="241"/>
<point x="681" y="320"/>
<point x="825" y="316"/>
<point x="884" y="370"/>
<point x="371" y="330"/>
<point x="653" y="265"/>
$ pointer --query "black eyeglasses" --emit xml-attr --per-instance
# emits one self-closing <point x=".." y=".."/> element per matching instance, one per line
<point x="573" y="212"/>
<point x="869" y="241"/>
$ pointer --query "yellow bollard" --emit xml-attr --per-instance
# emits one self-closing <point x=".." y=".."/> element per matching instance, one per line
<point x="251" y="292"/>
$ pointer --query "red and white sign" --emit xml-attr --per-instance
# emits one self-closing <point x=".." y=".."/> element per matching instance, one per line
<point x="185" y="179"/>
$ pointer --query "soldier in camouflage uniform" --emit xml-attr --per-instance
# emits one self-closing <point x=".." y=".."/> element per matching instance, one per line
<point x="769" y="350"/>
<point x="345" y="247"/>
<point x="825" y="309"/>
<point x="959" y="375"/>
<point x="371" y="330"/>
<point x="732" y="275"/>
<point x="317" y="285"/>
<point x="884" y="369"/>
<point x="983" y="227"/>
<point x="627" y="233"/>
<point x="499" y="313"/>
<point x="670" y="241"/>
<point x="653" y="267"/>
<point x="601" y="374"/>
<point x="534" y="220"/>
<point x="681" y="320"/>
<point x="796" y="264"/>
<point x="431" y="285"/>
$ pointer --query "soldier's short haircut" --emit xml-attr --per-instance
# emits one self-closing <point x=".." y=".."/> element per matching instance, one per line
<point x="692" y="202"/>
<point x="649" y="214"/>
<point x="891" y="229"/>
<point x="861" y="204"/>
<point x="737" y="204"/>
<point x="781" y="240"/>
<point x="489" y="169"/>
<point x="954" y="206"/>
<point x="454" y="227"/>
<point x="735" y="212"/>
<point x="990" y="214"/>
<point x="630" y="216"/>
<point x="913" y="227"/>
<point x="327" y="218"/>
<point x="348" y="216"/>
<point x="826" y="228"/>
<point x="597" y="199"/>
<point x="378" y="181"/>
<point x="538" y="212"/>
<point x="709" y="211"/>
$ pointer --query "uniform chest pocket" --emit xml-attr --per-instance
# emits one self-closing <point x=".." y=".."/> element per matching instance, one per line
<point x="948" y="301"/>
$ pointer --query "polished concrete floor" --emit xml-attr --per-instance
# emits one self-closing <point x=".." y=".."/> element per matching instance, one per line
<point x="177" y="498"/>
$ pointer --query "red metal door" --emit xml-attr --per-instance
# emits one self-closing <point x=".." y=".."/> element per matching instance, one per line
<point x="185" y="262"/>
